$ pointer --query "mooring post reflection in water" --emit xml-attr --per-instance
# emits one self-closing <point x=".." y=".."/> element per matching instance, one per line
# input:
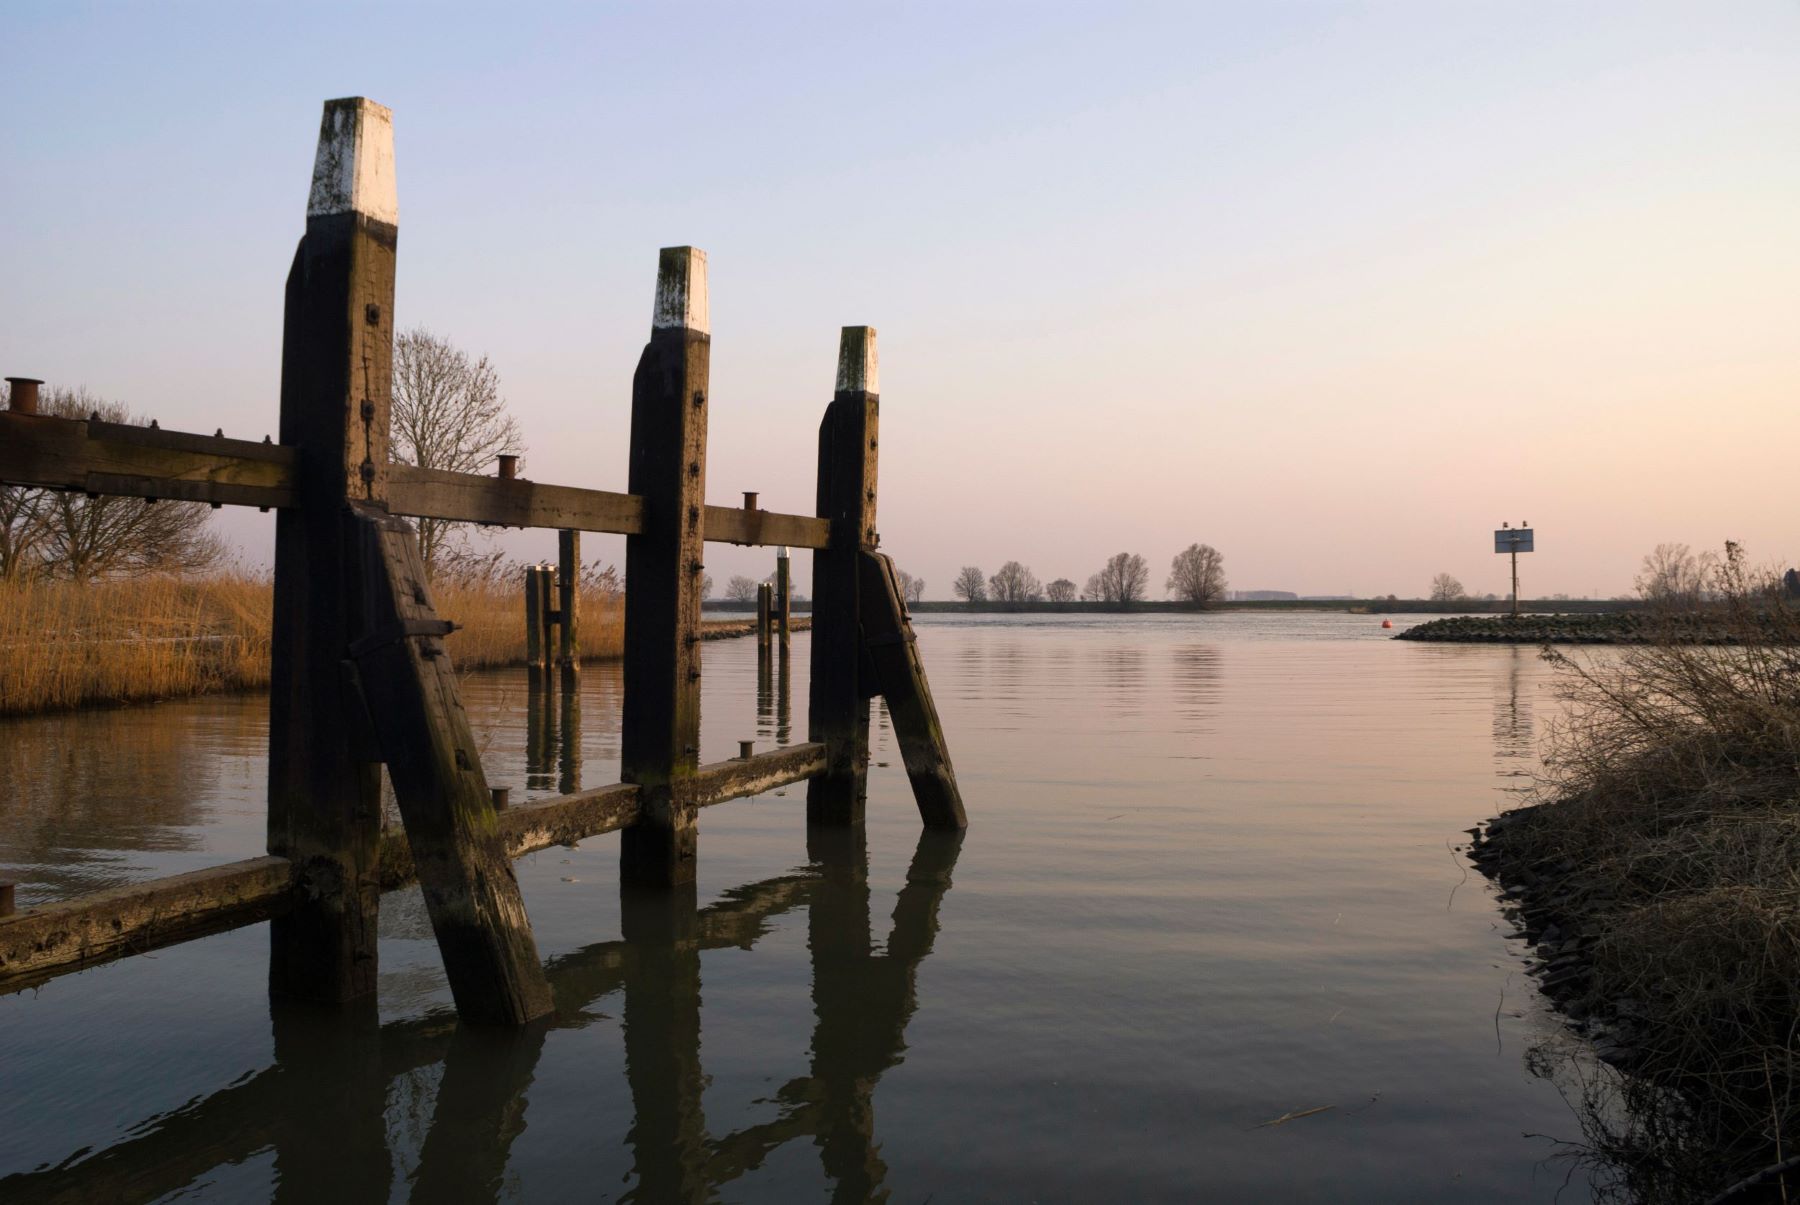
<point x="553" y="729"/>
<point x="774" y="694"/>
<point x="322" y="1107"/>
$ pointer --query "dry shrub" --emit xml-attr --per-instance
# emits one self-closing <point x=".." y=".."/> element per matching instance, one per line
<point x="64" y="644"/>
<point x="1666" y="834"/>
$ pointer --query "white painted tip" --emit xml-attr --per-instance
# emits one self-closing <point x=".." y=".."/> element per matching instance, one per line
<point x="783" y="554"/>
<point x="859" y="368"/>
<point x="681" y="291"/>
<point x="354" y="171"/>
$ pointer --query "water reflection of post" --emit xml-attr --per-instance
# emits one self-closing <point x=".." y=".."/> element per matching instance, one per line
<point x="480" y="1109"/>
<point x="335" y="1093"/>
<point x="765" y="691"/>
<point x="569" y="759"/>
<point x="784" y="699"/>
<point x="540" y="730"/>
<point x="1514" y="725"/>
<point x="322" y="1105"/>
<point x="662" y="1043"/>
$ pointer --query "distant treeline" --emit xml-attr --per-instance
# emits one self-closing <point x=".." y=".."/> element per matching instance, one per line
<point x="1371" y="606"/>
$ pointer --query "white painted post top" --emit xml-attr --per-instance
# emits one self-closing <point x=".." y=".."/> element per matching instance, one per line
<point x="783" y="554"/>
<point x="859" y="368"/>
<point x="354" y="171"/>
<point x="681" y="291"/>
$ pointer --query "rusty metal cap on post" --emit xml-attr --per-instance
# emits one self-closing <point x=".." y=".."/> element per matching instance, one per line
<point x="23" y="395"/>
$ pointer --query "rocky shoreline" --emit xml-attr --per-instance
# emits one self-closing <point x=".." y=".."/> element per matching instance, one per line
<point x="1613" y="627"/>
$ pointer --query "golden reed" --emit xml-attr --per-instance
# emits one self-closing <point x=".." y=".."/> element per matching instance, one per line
<point x="64" y="645"/>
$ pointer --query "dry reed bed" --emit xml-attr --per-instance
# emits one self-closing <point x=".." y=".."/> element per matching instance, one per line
<point x="1658" y="876"/>
<point x="65" y="644"/>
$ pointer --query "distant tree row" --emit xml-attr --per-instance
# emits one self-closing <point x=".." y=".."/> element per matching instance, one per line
<point x="1196" y="575"/>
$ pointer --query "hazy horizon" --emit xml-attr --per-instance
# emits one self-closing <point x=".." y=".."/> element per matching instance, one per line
<point x="1334" y="289"/>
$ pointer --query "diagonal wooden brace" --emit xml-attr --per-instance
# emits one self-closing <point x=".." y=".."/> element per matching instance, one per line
<point x="424" y="736"/>
<point x="892" y="654"/>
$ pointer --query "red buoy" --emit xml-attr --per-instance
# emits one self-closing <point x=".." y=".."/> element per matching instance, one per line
<point x="1387" y="623"/>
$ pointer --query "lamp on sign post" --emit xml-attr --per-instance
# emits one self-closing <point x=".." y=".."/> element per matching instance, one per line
<point x="1514" y="540"/>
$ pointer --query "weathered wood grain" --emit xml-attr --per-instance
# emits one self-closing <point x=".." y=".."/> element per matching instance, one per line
<point x="900" y="677"/>
<point x="336" y="374"/>
<point x="141" y="462"/>
<point x="434" y="761"/>
<point x="660" y="725"/>
<point x="838" y="708"/>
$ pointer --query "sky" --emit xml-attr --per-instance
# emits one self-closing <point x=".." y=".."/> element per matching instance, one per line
<point x="1334" y="288"/>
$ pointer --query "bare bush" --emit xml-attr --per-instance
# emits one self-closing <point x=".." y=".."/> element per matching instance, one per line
<point x="1197" y="575"/>
<point x="447" y="414"/>
<point x="1061" y="590"/>
<point x="1014" y="584"/>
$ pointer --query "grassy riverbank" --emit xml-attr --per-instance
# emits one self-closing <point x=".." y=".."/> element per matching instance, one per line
<point x="1658" y="876"/>
<point x="67" y="645"/>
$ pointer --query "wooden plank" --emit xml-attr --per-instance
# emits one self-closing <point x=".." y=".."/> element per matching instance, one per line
<point x="900" y="677"/>
<point x="516" y="502"/>
<point x="838" y="709"/>
<point x="728" y="525"/>
<point x="59" y="938"/>
<point x="336" y="374"/>
<point x="141" y="462"/>
<point x="660" y="726"/>
<point x="471" y="894"/>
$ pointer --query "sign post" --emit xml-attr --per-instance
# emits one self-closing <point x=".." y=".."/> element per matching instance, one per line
<point x="1514" y="540"/>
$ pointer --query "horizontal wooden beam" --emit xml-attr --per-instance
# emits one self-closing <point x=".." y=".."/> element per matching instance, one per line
<point x="510" y="502"/>
<point x="142" y="462"/>
<point x="726" y="525"/>
<point x="146" y="462"/>
<point x="57" y="939"/>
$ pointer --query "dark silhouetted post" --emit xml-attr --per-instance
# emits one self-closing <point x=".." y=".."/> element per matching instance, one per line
<point x="765" y="609"/>
<point x="838" y="712"/>
<point x="660" y="729"/>
<point x="432" y="757"/>
<point x="568" y="597"/>
<point x="537" y="616"/>
<point x="336" y="364"/>
<point x="784" y="592"/>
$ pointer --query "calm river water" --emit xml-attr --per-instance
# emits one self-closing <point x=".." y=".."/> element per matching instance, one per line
<point x="1209" y="883"/>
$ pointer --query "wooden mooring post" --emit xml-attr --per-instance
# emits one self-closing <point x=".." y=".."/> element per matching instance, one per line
<point x="360" y="671"/>
<point x="783" y="594"/>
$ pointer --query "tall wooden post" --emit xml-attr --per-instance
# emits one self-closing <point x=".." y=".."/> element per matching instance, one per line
<point x="336" y="361"/>
<point x="660" y="728"/>
<point x="568" y="586"/>
<point x="765" y="610"/>
<point x="784" y="591"/>
<point x="537" y="616"/>
<point x="838" y="707"/>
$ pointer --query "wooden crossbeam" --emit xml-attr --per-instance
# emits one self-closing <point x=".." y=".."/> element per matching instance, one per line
<point x="180" y="466"/>
<point x="57" y="939"/>
<point x="143" y="462"/>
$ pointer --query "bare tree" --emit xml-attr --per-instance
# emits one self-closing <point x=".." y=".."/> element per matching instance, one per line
<point x="447" y="414"/>
<point x="1060" y="590"/>
<point x="1123" y="580"/>
<point x="72" y="535"/>
<point x="1675" y="574"/>
<point x="1015" y="584"/>
<point x="912" y="589"/>
<point x="741" y="589"/>
<point x="1446" y="589"/>
<point x="1197" y="575"/>
<point x="706" y="587"/>
<point x="971" y="586"/>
